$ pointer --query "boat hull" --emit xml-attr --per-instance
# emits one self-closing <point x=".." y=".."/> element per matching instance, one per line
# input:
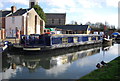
<point x="48" y="42"/>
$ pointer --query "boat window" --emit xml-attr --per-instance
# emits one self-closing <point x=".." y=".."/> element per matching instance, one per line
<point x="48" y="31"/>
<point x="96" y="38"/>
<point x="37" y="37"/>
<point x="89" y="38"/>
<point x="75" y="39"/>
<point x="44" y="30"/>
<point x="64" y="40"/>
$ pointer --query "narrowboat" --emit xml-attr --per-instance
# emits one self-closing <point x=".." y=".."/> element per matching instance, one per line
<point x="35" y="42"/>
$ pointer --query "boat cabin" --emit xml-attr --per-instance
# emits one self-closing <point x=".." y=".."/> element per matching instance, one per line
<point x="58" y="40"/>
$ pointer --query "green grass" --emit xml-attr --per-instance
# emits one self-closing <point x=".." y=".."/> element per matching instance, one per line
<point x="111" y="71"/>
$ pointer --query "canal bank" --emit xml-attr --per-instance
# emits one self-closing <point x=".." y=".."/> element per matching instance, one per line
<point x="111" y="71"/>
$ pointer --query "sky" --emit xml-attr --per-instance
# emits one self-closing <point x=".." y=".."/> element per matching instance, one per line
<point x="81" y="11"/>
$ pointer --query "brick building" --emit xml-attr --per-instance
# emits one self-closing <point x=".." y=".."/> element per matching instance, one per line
<point x="56" y="18"/>
<point x="3" y="15"/>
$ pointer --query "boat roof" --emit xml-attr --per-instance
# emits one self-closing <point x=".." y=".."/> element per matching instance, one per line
<point x="75" y="35"/>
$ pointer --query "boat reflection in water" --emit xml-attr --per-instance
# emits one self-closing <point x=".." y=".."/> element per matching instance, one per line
<point x="33" y="62"/>
<point x="55" y="65"/>
<point x="68" y="58"/>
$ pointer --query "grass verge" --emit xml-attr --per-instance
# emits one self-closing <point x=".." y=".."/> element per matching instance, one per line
<point x="111" y="71"/>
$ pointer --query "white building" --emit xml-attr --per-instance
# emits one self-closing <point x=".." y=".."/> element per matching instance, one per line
<point x="23" y="22"/>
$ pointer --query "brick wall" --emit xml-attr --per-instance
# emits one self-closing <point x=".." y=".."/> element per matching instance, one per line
<point x="56" y="18"/>
<point x="3" y="22"/>
<point x="2" y="34"/>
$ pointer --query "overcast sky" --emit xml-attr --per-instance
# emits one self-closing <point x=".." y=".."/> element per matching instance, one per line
<point x="81" y="11"/>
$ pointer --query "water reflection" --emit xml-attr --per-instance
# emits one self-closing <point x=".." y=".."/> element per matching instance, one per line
<point x="51" y="66"/>
<point x="68" y="58"/>
<point x="44" y="61"/>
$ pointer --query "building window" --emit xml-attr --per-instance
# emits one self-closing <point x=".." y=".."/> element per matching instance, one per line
<point x="52" y="20"/>
<point x="59" y="21"/>
<point x="41" y="22"/>
<point x="13" y="19"/>
<point x="35" y="23"/>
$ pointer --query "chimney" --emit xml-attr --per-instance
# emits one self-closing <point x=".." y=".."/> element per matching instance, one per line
<point x="13" y="9"/>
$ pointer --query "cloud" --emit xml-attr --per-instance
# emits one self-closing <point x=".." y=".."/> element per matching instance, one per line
<point x="57" y="70"/>
<point x="57" y="10"/>
<point x="115" y="51"/>
<point x="25" y="2"/>
<point x="112" y="3"/>
<point x="74" y="3"/>
<point x="1" y="5"/>
<point x="7" y="8"/>
<point x="90" y="3"/>
<point x="85" y="15"/>
<point x="65" y="4"/>
<point x="94" y="17"/>
<point x="60" y="3"/>
<point x="98" y="3"/>
<point x="9" y="73"/>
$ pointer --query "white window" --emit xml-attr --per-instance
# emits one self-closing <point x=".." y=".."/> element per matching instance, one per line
<point x="75" y="39"/>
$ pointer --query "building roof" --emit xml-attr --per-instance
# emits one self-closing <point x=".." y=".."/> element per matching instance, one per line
<point x="4" y="13"/>
<point x="69" y="27"/>
<point x="20" y="12"/>
<point x="55" y="15"/>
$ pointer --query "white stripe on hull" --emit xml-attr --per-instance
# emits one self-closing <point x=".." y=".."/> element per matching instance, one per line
<point x="31" y="49"/>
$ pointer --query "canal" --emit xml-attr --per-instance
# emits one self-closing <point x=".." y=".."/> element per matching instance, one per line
<point x="55" y="65"/>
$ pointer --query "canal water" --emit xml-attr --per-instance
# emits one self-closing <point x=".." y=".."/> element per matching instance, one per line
<point x="34" y="65"/>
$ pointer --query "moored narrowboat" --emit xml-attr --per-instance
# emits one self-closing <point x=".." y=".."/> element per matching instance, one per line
<point x="47" y="41"/>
